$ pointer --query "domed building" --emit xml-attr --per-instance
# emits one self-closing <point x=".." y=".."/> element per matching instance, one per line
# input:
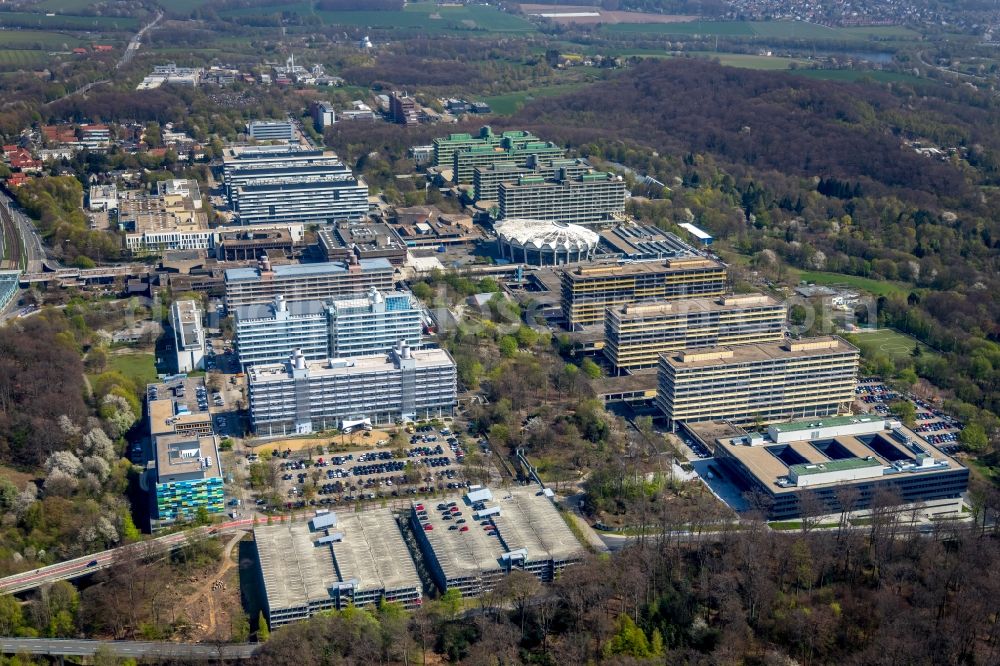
<point x="544" y="243"/>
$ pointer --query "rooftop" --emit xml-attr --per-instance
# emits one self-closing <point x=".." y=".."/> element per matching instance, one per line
<point x="291" y="271"/>
<point x="527" y="519"/>
<point x="755" y="353"/>
<point x="350" y="366"/>
<point x="187" y="456"/>
<point x="805" y="469"/>
<point x="645" y="309"/>
<point x="769" y="461"/>
<point x="828" y="422"/>
<point x="372" y="555"/>
<point x="646" y="241"/>
<point x="599" y="271"/>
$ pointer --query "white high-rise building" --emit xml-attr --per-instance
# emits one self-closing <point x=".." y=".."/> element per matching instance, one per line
<point x="299" y="396"/>
<point x="189" y="338"/>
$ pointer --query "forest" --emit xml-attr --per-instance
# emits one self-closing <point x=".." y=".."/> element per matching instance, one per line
<point x="875" y="596"/>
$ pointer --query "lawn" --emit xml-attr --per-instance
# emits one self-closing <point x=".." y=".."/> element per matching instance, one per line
<point x="139" y="367"/>
<point x="876" y="287"/>
<point x="893" y="343"/>
<point x="750" y="61"/>
<point x="509" y="103"/>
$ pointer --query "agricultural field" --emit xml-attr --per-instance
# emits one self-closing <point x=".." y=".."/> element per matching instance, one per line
<point x="63" y="6"/>
<point x="43" y="40"/>
<point x="425" y="16"/>
<point x="893" y="343"/>
<point x="66" y="22"/>
<point x="772" y="29"/>
<point x="11" y="59"/>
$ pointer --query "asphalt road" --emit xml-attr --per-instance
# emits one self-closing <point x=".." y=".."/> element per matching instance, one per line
<point x="135" y="649"/>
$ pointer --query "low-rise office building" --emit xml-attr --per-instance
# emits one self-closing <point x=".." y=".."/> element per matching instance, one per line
<point x="523" y="530"/>
<point x="171" y="217"/>
<point x="364" y="241"/>
<point x="521" y="153"/>
<point x="305" y="282"/>
<point x="189" y="338"/>
<point x="588" y="291"/>
<point x="446" y="147"/>
<point x="587" y="198"/>
<point x="291" y="183"/>
<point x="332" y="562"/>
<point x="302" y="397"/>
<point x="271" y="130"/>
<point x="764" y="383"/>
<point x="188" y="477"/>
<point x="636" y="334"/>
<point x="839" y="464"/>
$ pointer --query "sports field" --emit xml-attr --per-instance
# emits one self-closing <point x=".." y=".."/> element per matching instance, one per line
<point x="888" y="341"/>
<point x="67" y="22"/>
<point x="747" y="61"/>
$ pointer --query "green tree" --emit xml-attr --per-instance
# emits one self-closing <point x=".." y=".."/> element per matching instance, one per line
<point x="974" y="438"/>
<point x="422" y="290"/>
<point x="129" y="531"/>
<point x="263" y="632"/>
<point x="590" y="368"/>
<point x="526" y="336"/>
<point x="628" y="640"/>
<point x="11" y="616"/>
<point x="240" y="628"/>
<point x="508" y="346"/>
<point x="8" y="491"/>
<point x="905" y="411"/>
<point x="450" y="603"/>
<point x="201" y="516"/>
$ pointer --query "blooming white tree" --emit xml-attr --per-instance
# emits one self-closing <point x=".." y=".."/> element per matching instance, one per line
<point x="64" y="461"/>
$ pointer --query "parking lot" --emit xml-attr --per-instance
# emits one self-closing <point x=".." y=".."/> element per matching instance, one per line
<point x="432" y="463"/>
<point x="932" y="424"/>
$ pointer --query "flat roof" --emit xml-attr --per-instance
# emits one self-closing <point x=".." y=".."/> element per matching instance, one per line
<point x="733" y="354"/>
<point x="373" y="551"/>
<point x="265" y="311"/>
<point x="350" y="366"/>
<point x="805" y="469"/>
<point x="528" y="519"/>
<point x="827" y="422"/>
<point x="162" y="409"/>
<point x="766" y="467"/>
<point x="183" y="454"/>
<point x="646" y="240"/>
<point x="288" y="271"/>
<point x="642" y="309"/>
<point x="295" y="570"/>
<point x="599" y="271"/>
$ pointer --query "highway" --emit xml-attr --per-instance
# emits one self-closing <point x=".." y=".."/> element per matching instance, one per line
<point x="179" y="652"/>
<point x="88" y="564"/>
<point x="136" y="41"/>
<point x="31" y="242"/>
